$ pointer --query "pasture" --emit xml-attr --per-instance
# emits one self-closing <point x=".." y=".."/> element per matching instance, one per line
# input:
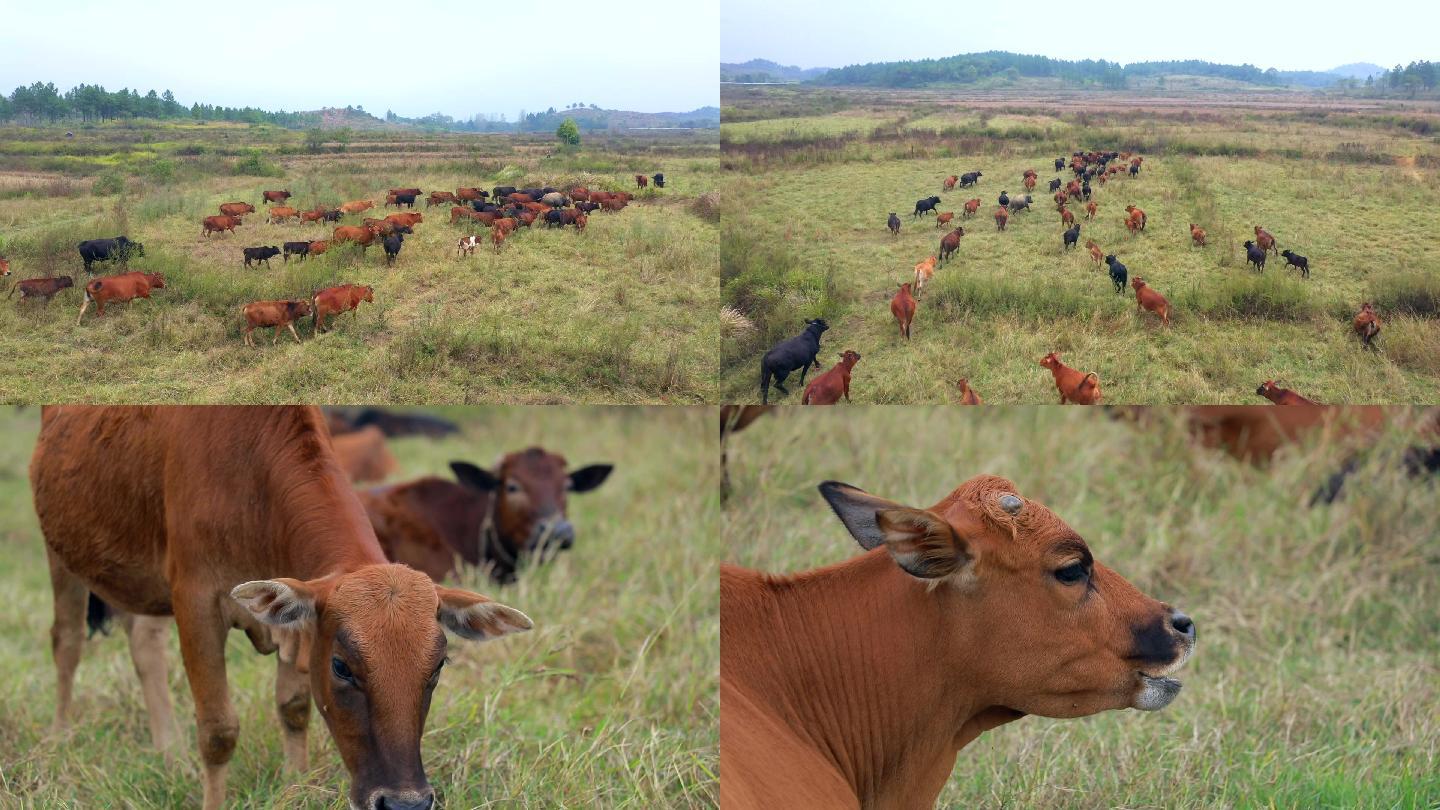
<point x="1350" y="187"/>
<point x="611" y="315"/>
<point x="1314" y="683"/>
<point x="609" y="702"/>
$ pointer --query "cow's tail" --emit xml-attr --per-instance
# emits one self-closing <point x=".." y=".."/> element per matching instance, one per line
<point x="13" y="288"/>
<point x="764" y="383"/>
<point x="98" y="616"/>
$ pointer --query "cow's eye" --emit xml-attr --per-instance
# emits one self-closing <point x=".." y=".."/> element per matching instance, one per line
<point x="512" y="488"/>
<point x="1072" y="573"/>
<point x="435" y="676"/>
<point x="342" y="670"/>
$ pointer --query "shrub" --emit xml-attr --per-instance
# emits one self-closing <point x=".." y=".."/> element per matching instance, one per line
<point x="109" y="183"/>
<point x="707" y="206"/>
<point x="1270" y="296"/>
<point x="1408" y="291"/>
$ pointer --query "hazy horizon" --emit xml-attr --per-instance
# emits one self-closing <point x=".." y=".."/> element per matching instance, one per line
<point x="1283" y="34"/>
<point x="423" y="58"/>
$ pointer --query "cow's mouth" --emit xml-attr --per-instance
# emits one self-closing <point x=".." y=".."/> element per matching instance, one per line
<point x="1156" y="692"/>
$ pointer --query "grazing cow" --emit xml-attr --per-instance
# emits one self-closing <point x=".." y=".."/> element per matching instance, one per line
<point x="790" y="354"/>
<point x="364" y="456"/>
<point x="967" y="394"/>
<point x="924" y="271"/>
<point x="949" y="184"/>
<point x="893" y="224"/>
<point x="1071" y="236"/>
<point x="827" y="388"/>
<point x="1095" y="251"/>
<point x="1148" y="298"/>
<point x="925" y="206"/>
<point x="301" y="249"/>
<point x="356" y="206"/>
<point x="659" y="178"/>
<point x="466" y="246"/>
<point x="1136" y="218"/>
<point x="318" y="247"/>
<point x="260" y="314"/>
<point x="282" y="213"/>
<point x="613" y="205"/>
<point x="236" y="209"/>
<point x="498" y="520"/>
<point x="442" y="197"/>
<point x="43" y="288"/>
<point x="971" y="206"/>
<point x="1197" y="235"/>
<point x="1090" y="209"/>
<point x="118" y="249"/>
<point x="1367" y="325"/>
<point x="1118" y="272"/>
<point x="1265" y="240"/>
<point x="967" y="615"/>
<point x="1074" y="386"/>
<point x="218" y="499"/>
<point x="1255" y="255"/>
<point x="121" y="287"/>
<point x="1293" y="259"/>
<point x="497" y="237"/>
<point x="1067" y="217"/>
<point x="1281" y="396"/>
<point x="1002" y="216"/>
<point x="949" y="243"/>
<point x="220" y="224"/>
<point x="641" y="181"/>
<point x="276" y="196"/>
<point x="970" y="179"/>
<point x="902" y="306"/>
<point x="260" y="254"/>
<point x="392" y="245"/>
<point x="337" y="301"/>
<point x="353" y="233"/>
<point x="459" y="212"/>
<point x="943" y="218"/>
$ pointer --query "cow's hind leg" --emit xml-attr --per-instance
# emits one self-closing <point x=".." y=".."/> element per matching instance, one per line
<point x="147" y="652"/>
<point x="67" y="635"/>
<point x="292" y="331"/>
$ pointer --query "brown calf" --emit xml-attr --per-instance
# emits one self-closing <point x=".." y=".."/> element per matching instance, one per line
<point x="356" y="206"/>
<point x="363" y="455"/>
<point x="967" y="394"/>
<point x="319" y="246"/>
<point x="943" y="219"/>
<point x="1367" y="325"/>
<point x="339" y="300"/>
<point x="220" y="224"/>
<point x="641" y="181"/>
<point x="1095" y="252"/>
<point x="1265" y="240"/>
<point x="281" y="213"/>
<point x="1067" y="217"/>
<point x="260" y="314"/>
<point x="971" y="206"/>
<point x="1281" y="396"/>
<point x="353" y="233"/>
<point x="276" y="196"/>
<point x="924" y="271"/>
<point x="949" y="184"/>
<point x="440" y="198"/>
<point x="44" y="288"/>
<point x="1074" y="386"/>
<point x="122" y="287"/>
<point x="827" y="388"/>
<point x="902" y="306"/>
<point x="235" y="209"/>
<point x="241" y="517"/>
<point x="978" y="610"/>
<point x="1148" y="298"/>
<point x="1001" y="217"/>
<point x="1090" y="209"/>
<point x="1197" y="235"/>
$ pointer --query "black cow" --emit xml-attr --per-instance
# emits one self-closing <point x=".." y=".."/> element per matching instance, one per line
<point x="1254" y="255"/>
<point x="790" y="354"/>
<point x="405" y="199"/>
<point x="1059" y="164"/>
<point x="392" y="244"/>
<point x="482" y="206"/>
<point x="659" y="178"/>
<point x="1072" y="237"/>
<point x="301" y="249"/>
<point x="261" y="254"/>
<point x="1134" y="169"/>
<point x="1004" y="199"/>
<point x="893" y="224"/>
<point x="1085" y="190"/>
<point x="970" y="179"/>
<point x="118" y="249"/>
<point x="1118" y="274"/>
<point x="1293" y="259"/>
<point x="333" y="215"/>
<point x="555" y="219"/>
<point x="500" y="192"/>
<point x="926" y="205"/>
<point x="1055" y="185"/>
<point x="587" y="207"/>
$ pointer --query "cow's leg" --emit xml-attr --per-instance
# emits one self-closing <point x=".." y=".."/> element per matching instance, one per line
<point x="202" y="645"/>
<point x="275" y="336"/>
<point x="84" y="305"/>
<point x="248" y="340"/>
<point x="293" y="333"/>
<point x="67" y="635"/>
<point x="147" y="652"/>
<point x="292" y="702"/>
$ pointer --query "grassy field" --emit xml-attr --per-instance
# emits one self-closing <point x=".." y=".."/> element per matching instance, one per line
<point x="805" y="236"/>
<point x="613" y="315"/>
<point x="609" y="702"/>
<point x="1315" y="682"/>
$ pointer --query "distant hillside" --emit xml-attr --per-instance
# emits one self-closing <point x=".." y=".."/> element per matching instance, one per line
<point x="351" y="117"/>
<point x="1358" y="70"/>
<point x="763" y="70"/>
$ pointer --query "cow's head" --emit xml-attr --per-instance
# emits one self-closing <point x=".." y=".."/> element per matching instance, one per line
<point x="1024" y="613"/>
<point x="4" y="266"/>
<point x="1050" y="361"/>
<point x="368" y="294"/>
<point x="849" y="358"/>
<point x="376" y="652"/>
<point x="64" y="281"/>
<point x="818" y="324"/>
<point x="530" y="490"/>
<point x="155" y="280"/>
<point x="298" y="309"/>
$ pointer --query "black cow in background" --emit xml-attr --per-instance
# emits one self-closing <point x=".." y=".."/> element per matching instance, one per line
<point x="659" y="178"/>
<point x="118" y="249"/>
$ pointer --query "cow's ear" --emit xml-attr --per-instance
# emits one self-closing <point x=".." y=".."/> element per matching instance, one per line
<point x="474" y="477"/>
<point x="921" y="542"/>
<point x="478" y="618"/>
<point x="588" y="478"/>
<point x="286" y="603"/>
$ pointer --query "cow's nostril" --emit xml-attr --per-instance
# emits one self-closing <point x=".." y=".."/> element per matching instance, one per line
<point x="1182" y="624"/>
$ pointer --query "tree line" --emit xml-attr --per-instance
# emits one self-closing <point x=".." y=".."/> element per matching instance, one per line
<point x="87" y="103"/>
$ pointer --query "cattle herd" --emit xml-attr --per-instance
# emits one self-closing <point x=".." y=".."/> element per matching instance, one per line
<point x="503" y="209"/>
<point x="1091" y="171"/>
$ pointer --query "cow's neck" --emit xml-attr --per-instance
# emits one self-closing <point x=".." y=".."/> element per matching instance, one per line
<point x="856" y="657"/>
<point x="321" y="527"/>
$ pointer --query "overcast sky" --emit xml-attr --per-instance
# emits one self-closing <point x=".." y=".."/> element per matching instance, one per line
<point x="1283" y="34"/>
<point x="414" y="57"/>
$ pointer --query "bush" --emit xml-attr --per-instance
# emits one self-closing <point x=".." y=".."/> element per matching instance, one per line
<point x="161" y="171"/>
<point x="254" y="164"/>
<point x="568" y="132"/>
<point x="707" y="206"/>
<point x="1269" y="296"/>
<point x="109" y="183"/>
<point x="1407" y="291"/>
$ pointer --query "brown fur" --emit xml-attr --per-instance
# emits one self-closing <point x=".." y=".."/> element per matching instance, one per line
<point x="827" y="388"/>
<point x="902" y="306"/>
<point x="364" y="456"/>
<point x="967" y="394"/>
<point x="1282" y="396"/>
<point x="1148" y="298"/>
<point x="1074" y="386"/>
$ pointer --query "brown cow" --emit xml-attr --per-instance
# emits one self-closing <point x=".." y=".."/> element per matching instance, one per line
<point x="414" y="191"/>
<point x="949" y="184"/>
<point x="1281" y="396"/>
<point x="356" y="206"/>
<point x="44" y="288"/>
<point x="1136" y="218"/>
<point x="260" y="314"/>
<point x="1367" y="325"/>
<point x="506" y="224"/>
<point x="121" y="287"/>
<point x="1029" y="182"/>
<point x="1067" y="217"/>
<point x="1001" y="217"/>
<point x="1265" y="240"/>
<point x="281" y="213"/>
<point x="1095" y="252"/>
<point x="967" y="394"/>
<point x="827" y="388"/>
<point x="319" y="246"/>
<point x="1255" y="433"/>
<point x="1074" y="386"/>
<point x="924" y="271"/>
<point x="363" y="455"/>
<point x="220" y="224"/>
<point x="902" y="306"/>
<point x="1148" y="298"/>
<point x="971" y="206"/>
<point x="407" y="218"/>
<point x="1090" y="209"/>
<point x="944" y="218"/>
<point x="466" y="193"/>
<point x="498" y="520"/>
<point x="497" y="237"/>
<point x="641" y="181"/>
<point x="317" y="214"/>
<point x="339" y="300"/>
<point x="353" y="233"/>
<point x="276" y="196"/>
<point x="236" y="209"/>
<point x="962" y="617"/>
<point x="613" y="204"/>
<point x="1197" y="235"/>
<point x="217" y="500"/>
<point x="439" y="198"/>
